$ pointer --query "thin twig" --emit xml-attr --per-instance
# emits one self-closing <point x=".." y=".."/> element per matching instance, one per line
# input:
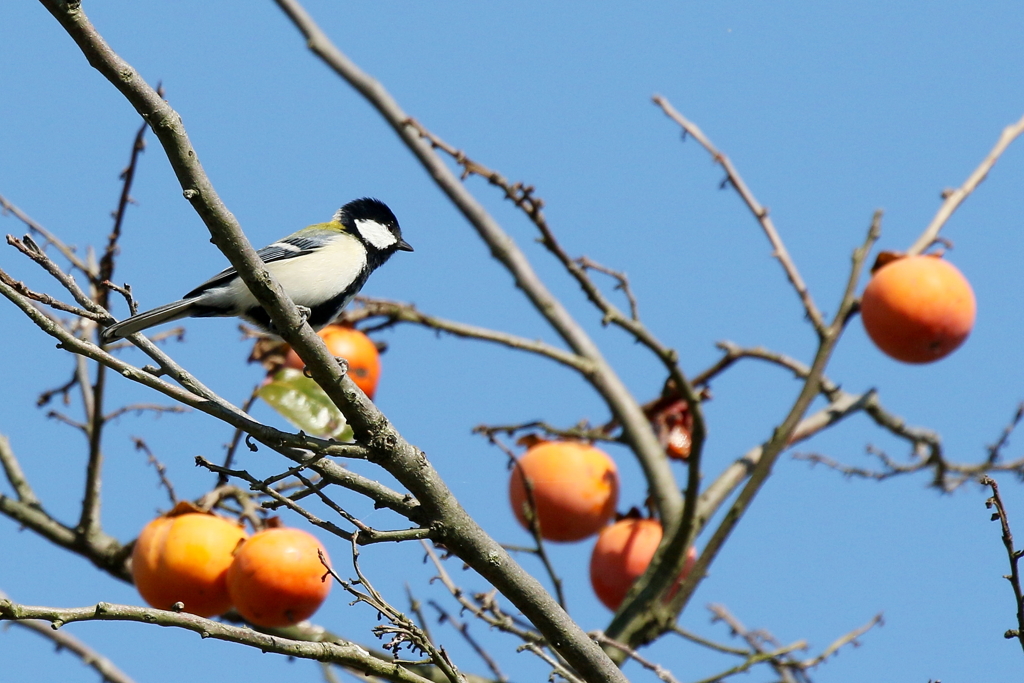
<point x="89" y="520"/>
<point x="1004" y="438"/>
<point x="955" y="198"/>
<point x="236" y="438"/>
<point x="161" y="469"/>
<point x="15" y="476"/>
<point x="48" y="237"/>
<point x="753" y="660"/>
<point x="710" y="644"/>
<point x="557" y="667"/>
<point x="126" y="292"/>
<point x="27" y="246"/>
<point x="622" y="283"/>
<point x="107" y="261"/>
<point x="996" y="501"/>
<point x="756" y="640"/>
<point x="847" y="639"/>
<point x="463" y="629"/>
<point x="659" y="671"/>
<point x="643" y="627"/>
<point x="733" y="352"/>
<point x="506" y="623"/>
<point x="50" y="301"/>
<point x="760" y="212"/>
<point x="396" y="312"/>
<point x="64" y="390"/>
<point x="61" y="417"/>
<point x="532" y="519"/>
<point x="582" y="431"/>
<point x="402" y="630"/>
<point x="139" y="408"/>
<point x="416" y="607"/>
<point x="891" y="468"/>
<point x="367" y="535"/>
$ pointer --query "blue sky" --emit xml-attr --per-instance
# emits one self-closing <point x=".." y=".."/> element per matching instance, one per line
<point x="828" y="112"/>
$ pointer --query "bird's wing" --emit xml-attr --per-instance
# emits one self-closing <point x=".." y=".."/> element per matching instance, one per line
<point x="289" y="247"/>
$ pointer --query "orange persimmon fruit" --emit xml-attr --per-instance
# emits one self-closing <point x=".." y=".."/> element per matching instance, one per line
<point x="356" y="348"/>
<point x="918" y="309"/>
<point x="574" y="486"/>
<point x="185" y="558"/>
<point x="621" y="555"/>
<point x="276" y="578"/>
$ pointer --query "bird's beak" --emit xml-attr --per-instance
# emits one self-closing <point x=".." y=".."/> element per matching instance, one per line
<point x="403" y="246"/>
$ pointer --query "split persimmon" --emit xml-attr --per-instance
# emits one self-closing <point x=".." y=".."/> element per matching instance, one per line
<point x="356" y="348"/>
<point x="621" y="555"/>
<point x="918" y="309"/>
<point x="574" y="488"/>
<point x="185" y="558"/>
<point x="277" y="577"/>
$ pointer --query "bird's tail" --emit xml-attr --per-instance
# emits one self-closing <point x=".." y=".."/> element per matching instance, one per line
<point x="147" y="319"/>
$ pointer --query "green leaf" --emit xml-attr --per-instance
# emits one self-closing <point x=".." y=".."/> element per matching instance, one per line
<point x="305" y="405"/>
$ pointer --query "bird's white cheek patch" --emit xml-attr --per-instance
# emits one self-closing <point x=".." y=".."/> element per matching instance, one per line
<point x="375" y="233"/>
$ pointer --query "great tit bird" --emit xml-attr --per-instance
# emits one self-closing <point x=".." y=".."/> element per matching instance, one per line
<point x="321" y="267"/>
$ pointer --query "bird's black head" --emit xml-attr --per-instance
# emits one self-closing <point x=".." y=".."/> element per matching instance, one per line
<point x="375" y="225"/>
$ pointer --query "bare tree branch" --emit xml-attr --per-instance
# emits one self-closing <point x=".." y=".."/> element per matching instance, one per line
<point x="710" y="644"/>
<point x="15" y="475"/>
<point x="844" y="640"/>
<point x="29" y="248"/>
<point x="341" y="652"/>
<point x="107" y="670"/>
<point x="463" y="629"/>
<point x="659" y="671"/>
<point x="402" y="630"/>
<point x="506" y="624"/>
<point x="50" y="239"/>
<point x="636" y="628"/>
<point x="1014" y="555"/>
<point x="557" y="669"/>
<point x="236" y="438"/>
<point x="732" y="177"/>
<point x="161" y="469"/>
<point x="757" y="640"/>
<point x="603" y="378"/>
<point x="397" y="312"/>
<point x="954" y="198"/>
<point x="1004" y="438"/>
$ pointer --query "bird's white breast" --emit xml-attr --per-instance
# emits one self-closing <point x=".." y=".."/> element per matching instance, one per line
<point x="309" y="279"/>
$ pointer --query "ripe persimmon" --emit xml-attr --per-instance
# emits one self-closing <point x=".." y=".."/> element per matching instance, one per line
<point x="574" y="489"/>
<point x="621" y="555"/>
<point x="356" y="348"/>
<point x="276" y="578"/>
<point x="185" y="558"/>
<point x="918" y="309"/>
